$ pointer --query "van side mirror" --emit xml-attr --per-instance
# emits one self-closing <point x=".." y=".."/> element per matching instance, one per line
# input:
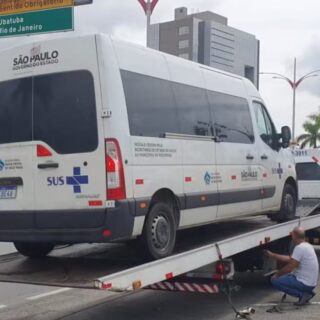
<point x="286" y="136"/>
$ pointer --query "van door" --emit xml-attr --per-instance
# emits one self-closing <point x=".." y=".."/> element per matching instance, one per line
<point x="200" y="171"/>
<point x="269" y="158"/>
<point x="16" y="155"/>
<point x="69" y="169"/>
<point x="236" y="156"/>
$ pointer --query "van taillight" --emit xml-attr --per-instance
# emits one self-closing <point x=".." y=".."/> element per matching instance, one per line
<point x="42" y="151"/>
<point x="114" y="168"/>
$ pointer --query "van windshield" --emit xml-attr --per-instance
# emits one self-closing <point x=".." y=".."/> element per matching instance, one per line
<point x="58" y="109"/>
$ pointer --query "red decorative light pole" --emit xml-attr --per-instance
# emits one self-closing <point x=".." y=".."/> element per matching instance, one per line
<point x="294" y="84"/>
<point x="148" y="7"/>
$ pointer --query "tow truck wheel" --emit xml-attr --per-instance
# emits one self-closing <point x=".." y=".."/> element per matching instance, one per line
<point x="288" y="205"/>
<point x="159" y="233"/>
<point x="34" y="249"/>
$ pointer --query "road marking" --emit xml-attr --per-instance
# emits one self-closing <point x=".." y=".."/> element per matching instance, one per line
<point x="265" y="305"/>
<point x="2" y="306"/>
<point x="51" y="293"/>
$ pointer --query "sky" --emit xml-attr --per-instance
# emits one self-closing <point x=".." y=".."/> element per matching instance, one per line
<point x="286" y="29"/>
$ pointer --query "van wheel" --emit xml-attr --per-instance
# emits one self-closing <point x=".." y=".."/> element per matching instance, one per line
<point x="34" y="249"/>
<point x="288" y="205"/>
<point x="159" y="233"/>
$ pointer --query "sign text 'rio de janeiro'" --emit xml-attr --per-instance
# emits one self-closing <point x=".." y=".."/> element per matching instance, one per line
<point x="24" y="17"/>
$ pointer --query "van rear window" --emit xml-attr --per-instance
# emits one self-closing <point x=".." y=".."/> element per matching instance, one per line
<point x="58" y="109"/>
<point x="308" y="171"/>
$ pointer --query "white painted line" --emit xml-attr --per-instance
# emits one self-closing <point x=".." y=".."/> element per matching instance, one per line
<point x="265" y="305"/>
<point x="47" y="294"/>
<point x="2" y="306"/>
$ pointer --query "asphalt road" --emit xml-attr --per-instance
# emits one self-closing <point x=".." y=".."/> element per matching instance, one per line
<point x="70" y="265"/>
<point x="76" y="304"/>
<point x="255" y="292"/>
<point x="11" y="293"/>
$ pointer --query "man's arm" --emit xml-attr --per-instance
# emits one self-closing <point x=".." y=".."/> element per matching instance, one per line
<point x="288" y="268"/>
<point x="278" y="257"/>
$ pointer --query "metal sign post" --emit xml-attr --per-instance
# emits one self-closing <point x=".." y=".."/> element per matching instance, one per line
<point x="148" y="7"/>
<point x="82" y="2"/>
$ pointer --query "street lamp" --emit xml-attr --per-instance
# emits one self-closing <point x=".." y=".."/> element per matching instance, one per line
<point x="148" y="7"/>
<point x="294" y="84"/>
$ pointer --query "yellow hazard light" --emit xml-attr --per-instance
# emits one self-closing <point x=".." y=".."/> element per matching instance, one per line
<point x="137" y="285"/>
<point x="143" y="205"/>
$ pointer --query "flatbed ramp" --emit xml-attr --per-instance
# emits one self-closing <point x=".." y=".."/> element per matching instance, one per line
<point x="118" y="267"/>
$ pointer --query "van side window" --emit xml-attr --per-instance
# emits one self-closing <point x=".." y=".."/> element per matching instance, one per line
<point x="151" y="105"/>
<point x="308" y="171"/>
<point x="232" y="119"/>
<point x="265" y="125"/>
<point x="193" y="110"/>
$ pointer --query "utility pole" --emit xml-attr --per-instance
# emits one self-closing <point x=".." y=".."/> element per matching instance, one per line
<point x="82" y="2"/>
<point x="294" y="88"/>
<point x="148" y="7"/>
<point x="148" y="14"/>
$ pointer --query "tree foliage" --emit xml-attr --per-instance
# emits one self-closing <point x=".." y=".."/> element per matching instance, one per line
<point x="311" y="137"/>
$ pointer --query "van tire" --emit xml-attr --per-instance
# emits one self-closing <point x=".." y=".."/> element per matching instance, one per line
<point x="34" y="249"/>
<point x="288" y="205"/>
<point x="159" y="233"/>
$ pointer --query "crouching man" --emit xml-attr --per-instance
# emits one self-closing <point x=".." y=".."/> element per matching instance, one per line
<point x="298" y="278"/>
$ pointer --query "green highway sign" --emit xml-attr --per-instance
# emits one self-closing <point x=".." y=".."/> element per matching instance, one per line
<point x="45" y="21"/>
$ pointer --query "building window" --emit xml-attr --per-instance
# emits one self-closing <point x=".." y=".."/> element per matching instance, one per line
<point x="249" y="73"/>
<point x="183" y="44"/>
<point x="184" y="30"/>
<point x="184" y="55"/>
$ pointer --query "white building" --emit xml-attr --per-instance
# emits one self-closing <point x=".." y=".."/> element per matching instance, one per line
<point x="207" y="38"/>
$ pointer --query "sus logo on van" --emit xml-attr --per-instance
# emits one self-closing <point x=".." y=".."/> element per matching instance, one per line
<point x="77" y="180"/>
<point x="278" y="171"/>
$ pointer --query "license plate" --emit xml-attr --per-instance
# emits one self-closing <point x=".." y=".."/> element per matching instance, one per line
<point x="8" y="192"/>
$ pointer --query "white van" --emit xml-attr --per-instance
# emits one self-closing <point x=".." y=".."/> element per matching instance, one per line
<point x="308" y="173"/>
<point x="104" y="141"/>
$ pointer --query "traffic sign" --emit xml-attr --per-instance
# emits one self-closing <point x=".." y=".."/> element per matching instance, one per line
<point x="8" y="7"/>
<point x="145" y="4"/>
<point x="53" y="20"/>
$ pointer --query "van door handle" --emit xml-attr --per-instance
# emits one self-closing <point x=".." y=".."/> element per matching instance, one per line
<point x="250" y="157"/>
<point x="51" y="165"/>
<point x="264" y="157"/>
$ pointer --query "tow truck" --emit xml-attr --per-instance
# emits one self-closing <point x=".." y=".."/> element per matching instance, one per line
<point x="204" y="265"/>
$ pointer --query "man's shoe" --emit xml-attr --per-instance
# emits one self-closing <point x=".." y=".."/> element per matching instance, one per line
<point x="305" y="299"/>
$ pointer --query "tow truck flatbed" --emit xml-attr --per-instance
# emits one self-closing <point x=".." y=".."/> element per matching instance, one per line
<point x="117" y="267"/>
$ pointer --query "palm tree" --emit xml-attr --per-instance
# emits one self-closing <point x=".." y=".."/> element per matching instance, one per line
<point x="312" y="129"/>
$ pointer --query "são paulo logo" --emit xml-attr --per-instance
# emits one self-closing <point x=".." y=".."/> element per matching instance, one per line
<point x="36" y="58"/>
